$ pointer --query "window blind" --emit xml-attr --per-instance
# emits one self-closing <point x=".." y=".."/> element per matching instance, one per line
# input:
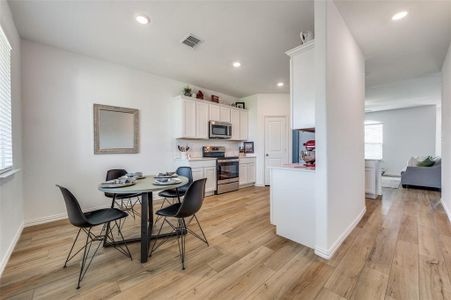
<point x="6" y="146"/>
<point x="374" y="141"/>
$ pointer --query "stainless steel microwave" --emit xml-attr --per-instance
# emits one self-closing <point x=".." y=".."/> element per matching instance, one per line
<point x="220" y="130"/>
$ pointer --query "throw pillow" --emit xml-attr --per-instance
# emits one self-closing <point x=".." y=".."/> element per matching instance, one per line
<point x="428" y="162"/>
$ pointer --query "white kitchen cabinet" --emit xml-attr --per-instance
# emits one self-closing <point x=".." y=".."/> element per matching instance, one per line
<point x="202" y="114"/>
<point x="244" y="126"/>
<point x="210" y="174"/>
<point x="370" y="181"/>
<point x="202" y="168"/>
<point x="243" y="173"/>
<point x="302" y="86"/>
<point x="247" y="171"/>
<point x="224" y="114"/>
<point x="251" y="172"/>
<point x="373" y="180"/>
<point x="189" y="118"/>
<point x="235" y="120"/>
<point x="198" y="173"/>
<point x="215" y="112"/>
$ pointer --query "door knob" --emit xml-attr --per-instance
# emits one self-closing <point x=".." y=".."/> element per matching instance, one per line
<point x="267" y="154"/>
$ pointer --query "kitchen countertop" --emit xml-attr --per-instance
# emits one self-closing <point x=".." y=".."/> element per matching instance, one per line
<point x="295" y="167"/>
<point x="197" y="158"/>
<point x="211" y="158"/>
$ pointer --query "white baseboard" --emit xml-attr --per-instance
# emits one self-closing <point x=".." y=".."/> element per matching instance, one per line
<point x="447" y="211"/>
<point x="62" y="216"/>
<point x="45" y="219"/>
<point x="329" y="253"/>
<point x="55" y="217"/>
<point x="10" y="250"/>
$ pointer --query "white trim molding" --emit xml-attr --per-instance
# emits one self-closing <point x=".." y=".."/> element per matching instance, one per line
<point x="447" y="211"/>
<point x="10" y="250"/>
<point x="62" y="216"/>
<point x="329" y="253"/>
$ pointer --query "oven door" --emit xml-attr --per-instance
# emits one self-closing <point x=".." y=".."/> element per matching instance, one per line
<point x="228" y="170"/>
<point x="220" y="130"/>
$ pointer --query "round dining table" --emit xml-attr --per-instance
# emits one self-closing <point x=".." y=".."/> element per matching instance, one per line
<point x="144" y="187"/>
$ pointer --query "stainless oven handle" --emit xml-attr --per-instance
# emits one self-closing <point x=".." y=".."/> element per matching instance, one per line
<point x="228" y="160"/>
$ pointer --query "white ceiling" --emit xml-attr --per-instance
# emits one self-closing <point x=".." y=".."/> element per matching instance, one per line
<point x="404" y="58"/>
<point x="411" y="47"/>
<point x="257" y="33"/>
<point x="419" y="91"/>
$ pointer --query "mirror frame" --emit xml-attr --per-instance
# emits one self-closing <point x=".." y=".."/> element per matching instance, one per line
<point x="97" y="150"/>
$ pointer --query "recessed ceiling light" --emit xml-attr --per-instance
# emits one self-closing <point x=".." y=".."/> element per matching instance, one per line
<point x="237" y="64"/>
<point x="142" y="19"/>
<point x="280" y="84"/>
<point x="400" y="15"/>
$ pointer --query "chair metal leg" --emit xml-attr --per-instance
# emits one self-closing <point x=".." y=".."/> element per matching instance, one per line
<point x="201" y="230"/>
<point x="161" y="206"/>
<point x="125" y="244"/>
<point x="181" y="243"/>
<point x="156" y="240"/>
<point x="83" y="261"/>
<point x="105" y="233"/>
<point x="72" y="248"/>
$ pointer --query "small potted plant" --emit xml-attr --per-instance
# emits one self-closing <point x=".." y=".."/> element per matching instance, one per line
<point x="187" y="91"/>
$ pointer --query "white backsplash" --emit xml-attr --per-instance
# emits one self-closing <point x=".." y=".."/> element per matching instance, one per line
<point x="231" y="147"/>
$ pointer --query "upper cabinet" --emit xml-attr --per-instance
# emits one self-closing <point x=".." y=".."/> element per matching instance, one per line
<point x="235" y="120"/>
<point x="224" y="114"/>
<point x="202" y="113"/>
<point x="214" y="112"/>
<point x="191" y="117"/>
<point x="244" y="128"/>
<point x="219" y="113"/>
<point x="302" y="86"/>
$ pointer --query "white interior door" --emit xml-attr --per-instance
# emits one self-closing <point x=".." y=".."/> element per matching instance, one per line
<point x="276" y="143"/>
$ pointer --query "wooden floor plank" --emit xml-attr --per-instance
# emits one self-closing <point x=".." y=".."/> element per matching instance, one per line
<point x="401" y="249"/>
<point x="403" y="281"/>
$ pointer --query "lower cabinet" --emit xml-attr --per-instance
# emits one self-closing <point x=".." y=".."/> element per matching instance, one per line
<point x="373" y="187"/>
<point x="247" y="171"/>
<point x="202" y="169"/>
<point x="206" y="168"/>
<point x="210" y="174"/>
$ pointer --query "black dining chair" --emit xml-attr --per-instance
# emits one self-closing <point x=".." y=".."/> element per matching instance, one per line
<point x="171" y="194"/>
<point x="86" y="222"/>
<point x="191" y="204"/>
<point x="125" y="202"/>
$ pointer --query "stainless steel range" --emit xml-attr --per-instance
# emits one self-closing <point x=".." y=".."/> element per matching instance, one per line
<point x="227" y="169"/>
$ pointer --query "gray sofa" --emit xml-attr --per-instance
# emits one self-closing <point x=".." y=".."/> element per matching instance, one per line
<point x="429" y="177"/>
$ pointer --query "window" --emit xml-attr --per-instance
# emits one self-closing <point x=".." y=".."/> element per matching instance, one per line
<point x="6" y="147"/>
<point x="373" y="140"/>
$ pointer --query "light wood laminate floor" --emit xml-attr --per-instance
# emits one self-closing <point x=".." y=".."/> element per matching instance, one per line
<point x="400" y="250"/>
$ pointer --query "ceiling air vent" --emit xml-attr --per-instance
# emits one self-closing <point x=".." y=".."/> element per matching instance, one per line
<point x="191" y="40"/>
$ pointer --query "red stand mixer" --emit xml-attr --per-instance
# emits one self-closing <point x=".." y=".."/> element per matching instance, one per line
<point x="308" y="155"/>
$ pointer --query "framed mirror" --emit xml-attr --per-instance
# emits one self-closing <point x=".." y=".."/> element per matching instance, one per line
<point x="116" y="130"/>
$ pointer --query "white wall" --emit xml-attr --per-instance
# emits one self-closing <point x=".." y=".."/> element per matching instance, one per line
<point x="446" y="133"/>
<point x="407" y="132"/>
<point x="11" y="200"/>
<point x="261" y="106"/>
<point x="438" y="130"/>
<point x="340" y="95"/>
<point x="59" y="90"/>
